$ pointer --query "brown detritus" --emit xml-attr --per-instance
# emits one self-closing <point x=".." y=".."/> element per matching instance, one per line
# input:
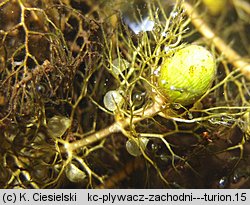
<point x="114" y="180"/>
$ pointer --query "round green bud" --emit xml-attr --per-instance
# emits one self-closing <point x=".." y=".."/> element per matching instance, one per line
<point x="187" y="75"/>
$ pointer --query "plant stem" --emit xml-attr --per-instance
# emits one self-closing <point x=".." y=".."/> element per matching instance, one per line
<point x="117" y="126"/>
<point x="232" y="56"/>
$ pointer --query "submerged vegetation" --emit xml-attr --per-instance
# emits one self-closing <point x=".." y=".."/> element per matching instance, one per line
<point x="81" y="105"/>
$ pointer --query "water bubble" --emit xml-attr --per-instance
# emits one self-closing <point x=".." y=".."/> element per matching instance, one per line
<point x="165" y="34"/>
<point x="238" y="175"/>
<point x="165" y="158"/>
<point x="106" y="81"/>
<point x="176" y="106"/>
<point x="155" y="147"/>
<point x="163" y="82"/>
<point x="223" y="120"/>
<point x="212" y="120"/>
<point x="157" y="72"/>
<point x="157" y="28"/>
<point x="173" y="88"/>
<point x="17" y="63"/>
<point x="41" y="89"/>
<point x="174" y="14"/>
<point x="145" y="25"/>
<point x="236" y="178"/>
<point x="167" y="49"/>
<point x="113" y="100"/>
<point x="223" y="182"/>
<point x="138" y="98"/>
<point x="189" y="115"/>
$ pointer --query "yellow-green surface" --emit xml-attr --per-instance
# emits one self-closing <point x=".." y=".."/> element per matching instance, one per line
<point x="187" y="75"/>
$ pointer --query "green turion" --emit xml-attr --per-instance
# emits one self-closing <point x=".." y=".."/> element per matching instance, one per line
<point x="187" y="75"/>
